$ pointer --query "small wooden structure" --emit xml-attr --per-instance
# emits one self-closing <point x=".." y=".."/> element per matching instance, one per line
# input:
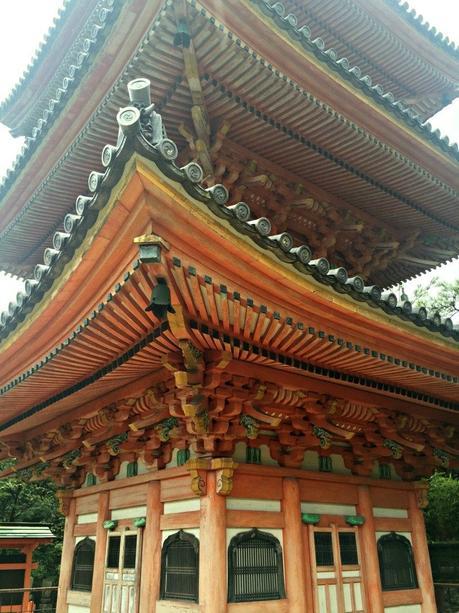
<point x="18" y="541"/>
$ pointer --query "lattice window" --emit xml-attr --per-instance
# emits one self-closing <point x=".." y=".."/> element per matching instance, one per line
<point x="255" y="568"/>
<point x="396" y="563"/>
<point x="324" y="548"/>
<point x="130" y="551"/>
<point x="180" y="567"/>
<point x="9" y="580"/>
<point x="113" y="553"/>
<point x="325" y="464"/>
<point x="83" y="565"/>
<point x="348" y="548"/>
<point x="384" y="471"/>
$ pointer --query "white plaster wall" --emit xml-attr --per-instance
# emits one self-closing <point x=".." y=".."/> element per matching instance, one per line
<point x="142" y="468"/>
<point x="167" y="533"/>
<point x="81" y="538"/>
<point x="129" y="513"/>
<point x="169" y="606"/>
<point x="87" y="518"/>
<point x="310" y="461"/>
<point x="182" y="506"/>
<point x="251" y="504"/>
<point x="73" y="608"/>
<point x="328" y="509"/>
<point x="406" y="608"/>
<point x="277" y="532"/>
<point x="266" y="458"/>
<point x="122" y="474"/>
<point x="383" y="512"/>
<point x="239" y="453"/>
<point x="405" y="534"/>
<point x="173" y="462"/>
<point x="338" y="465"/>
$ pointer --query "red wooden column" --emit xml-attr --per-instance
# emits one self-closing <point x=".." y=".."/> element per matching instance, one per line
<point x="421" y="555"/>
<point x="308" y="569"/>
<point x="65" y="574"/>
<point x="27" y="577"/>
<point x="370" y="562"/>
<point x="212" y="550"/>
<point x="97" y="592"/>
<point x="150" y="574"/>
<point x="293" y="547"/>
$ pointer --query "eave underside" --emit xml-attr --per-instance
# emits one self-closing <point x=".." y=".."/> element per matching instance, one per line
<point x="386" y="55"/>
<point x="221" y="369"/>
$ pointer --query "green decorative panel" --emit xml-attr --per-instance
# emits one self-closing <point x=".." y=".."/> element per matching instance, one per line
<point x="91" y="479"/>
<point x="253" y="455"/>
<point x="325" y="464"/>
<point x="310" y="518"/>
<point x="384" y="471"/>
<point x="183" y="455"/>
<point x="110" y="524"/>
<point x="132" y="469"/>
<point x="354" y="520"/>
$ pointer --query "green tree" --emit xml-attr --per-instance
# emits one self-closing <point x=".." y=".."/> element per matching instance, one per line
<point x="22" y="501"/>
<point x="443" y="511"/>
<point x="439" y="295"/>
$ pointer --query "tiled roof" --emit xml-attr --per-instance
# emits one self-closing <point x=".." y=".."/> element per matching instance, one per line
<point x="417" y="20"/>
<point x="302" y="36"/>
<point x="19" y="530"/>
<point x="39" y="56"/>
<point x="136" y="136"/>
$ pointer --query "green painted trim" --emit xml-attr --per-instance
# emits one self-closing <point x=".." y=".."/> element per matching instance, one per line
<point x="354" y="520"/>
<point x="310" y="518"/>
<point x="110" y="524"/>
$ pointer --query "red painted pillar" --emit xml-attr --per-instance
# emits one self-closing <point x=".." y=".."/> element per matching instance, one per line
<point x="97" y="593"/>
<point x="151" y="551"/>
<point x="67" y="557"/>
<point x="369" y="551"/>
<point x="421" y="555"/>
<point x="212" y="550"/>
<point x="293" y="547"/>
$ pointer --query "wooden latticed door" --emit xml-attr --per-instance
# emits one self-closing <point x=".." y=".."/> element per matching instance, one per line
<point x="122" y="572"/>
<point x="336" y="570"/>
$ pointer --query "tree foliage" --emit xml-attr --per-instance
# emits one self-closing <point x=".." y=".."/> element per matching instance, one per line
<point x="443" y="511"/>
<point x="439" y="295"/>
<point x="22" y="501"/>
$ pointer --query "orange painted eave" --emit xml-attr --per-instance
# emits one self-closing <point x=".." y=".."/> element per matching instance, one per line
<point x="196" y="235"/>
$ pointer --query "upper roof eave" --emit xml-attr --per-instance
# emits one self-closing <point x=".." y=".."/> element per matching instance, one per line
<point x="352" y="74"/>
<point x="49" y="54"/>
<point x="414" y="19"/>
<point x="77" y="225"/>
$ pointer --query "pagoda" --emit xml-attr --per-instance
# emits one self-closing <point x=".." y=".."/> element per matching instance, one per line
<point x="211" y="202"/>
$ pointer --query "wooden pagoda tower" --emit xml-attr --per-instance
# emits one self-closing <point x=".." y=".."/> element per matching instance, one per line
<point x="212" y="198"/>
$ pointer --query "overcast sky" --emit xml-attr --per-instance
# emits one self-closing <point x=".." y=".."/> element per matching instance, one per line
<point x="24" y="23"/>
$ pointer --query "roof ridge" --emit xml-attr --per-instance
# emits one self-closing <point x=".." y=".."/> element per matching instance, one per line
<point x="276" y="11"/>
<point x="141" y="131"/>
<point x="417" y="20"/>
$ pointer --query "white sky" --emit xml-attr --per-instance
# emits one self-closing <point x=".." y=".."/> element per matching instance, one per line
<point x="24" y="23"/>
